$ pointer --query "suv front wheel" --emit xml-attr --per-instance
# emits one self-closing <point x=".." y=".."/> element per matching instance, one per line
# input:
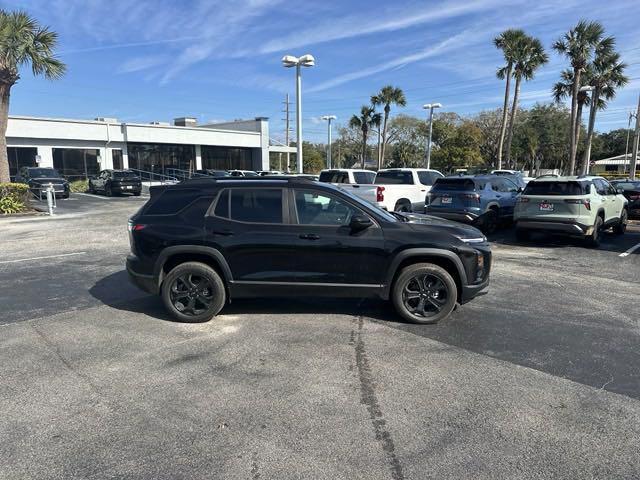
<point x="193" y="292"/>
<point x="424" y="293"/>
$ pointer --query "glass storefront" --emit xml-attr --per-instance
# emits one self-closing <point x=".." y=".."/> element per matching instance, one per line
<point x="21" y="157"/>
<point x="76" y="163"/>
<point x="226" y="158"/>
<point x="158" y="157"/>
<point x="116" y="154"/>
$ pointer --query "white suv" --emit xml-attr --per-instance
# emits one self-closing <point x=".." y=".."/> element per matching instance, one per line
<point x="576" y="206"/>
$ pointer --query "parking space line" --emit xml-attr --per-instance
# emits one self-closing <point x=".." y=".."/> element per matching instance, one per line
<point x="630" y="251"/>
<point x="92" y="196"/>
<point x="42" y="258"/>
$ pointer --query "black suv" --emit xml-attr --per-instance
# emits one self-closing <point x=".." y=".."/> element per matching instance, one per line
<point x="203" y="242"/>
<point x="39" y="178"/>
<point x="114" y="182"/>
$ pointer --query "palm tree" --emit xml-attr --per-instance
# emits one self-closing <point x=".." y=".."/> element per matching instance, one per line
<point x="22" y="42"/>
<point x="530" y="56"/>
<point x="368" y="119"/>
<point x="605" y="74"/>
<point x="507" y="42"/>
<point x="563" y="89"/>
<point x="387" y="96"/>
<point x="578" y="45"/>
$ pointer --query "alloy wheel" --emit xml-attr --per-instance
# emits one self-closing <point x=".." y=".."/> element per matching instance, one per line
<point x="425" y="295"/>
<point x="191" y="294"/>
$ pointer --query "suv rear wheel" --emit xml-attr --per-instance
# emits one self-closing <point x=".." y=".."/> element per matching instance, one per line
<point x="621" y="227"/>
<point x="593" y="240"/>
<point x="424" y="293"/>
<point x="193" y="292"/>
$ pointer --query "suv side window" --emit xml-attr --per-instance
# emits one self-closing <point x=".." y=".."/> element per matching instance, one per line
<point x="222" y="205"/>
<point x="195" y="212"/>
<point x="314" y="208"/>
<point x="609" y="188"/>
<point x="507" y="186"/>
<point x="601" y="187"/>
<point x="258" y="205"/>
<point x="427" y="178"/>
<point x="171" y="202"/>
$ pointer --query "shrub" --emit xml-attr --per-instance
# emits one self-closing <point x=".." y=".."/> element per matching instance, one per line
<point x="79" y="186"/>
<point x="13" y="197"/>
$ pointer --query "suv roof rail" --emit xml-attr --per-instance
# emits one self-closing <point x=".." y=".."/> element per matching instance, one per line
<point x="265" y="178"/>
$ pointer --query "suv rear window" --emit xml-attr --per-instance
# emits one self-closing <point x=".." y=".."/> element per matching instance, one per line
<point x="397" y="177"/>
<point x="257" y="205"/>
<point x="172" y="201"/>
<point x="556" y="188"/>
<point x="444" y="184"/>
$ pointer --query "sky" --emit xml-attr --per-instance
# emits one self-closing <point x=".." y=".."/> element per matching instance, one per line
<point x="154" y="60"/>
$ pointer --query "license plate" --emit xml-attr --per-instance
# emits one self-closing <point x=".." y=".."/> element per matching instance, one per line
<point x="447" y="200"/>
<point x="546" y="207"/>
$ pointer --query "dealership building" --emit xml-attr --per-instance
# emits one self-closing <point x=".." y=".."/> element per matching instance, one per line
<point x="78" y="148"/>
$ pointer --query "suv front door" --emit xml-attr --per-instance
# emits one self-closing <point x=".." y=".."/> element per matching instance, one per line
<point x="325" y="248"/>
<point x="608" y="196"/>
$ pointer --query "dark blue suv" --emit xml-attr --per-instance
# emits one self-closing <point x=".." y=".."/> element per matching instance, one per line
<point x="482" y="200"/>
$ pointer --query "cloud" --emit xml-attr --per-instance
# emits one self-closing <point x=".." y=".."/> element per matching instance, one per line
<point x="142" y="63"/>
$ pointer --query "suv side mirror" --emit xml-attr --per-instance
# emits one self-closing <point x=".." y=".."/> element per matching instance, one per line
<point x="359" y="223"/>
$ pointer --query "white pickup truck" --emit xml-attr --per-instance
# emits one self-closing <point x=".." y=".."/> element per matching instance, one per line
<point x="397" y="189"/>
<point x="338" y="176"/>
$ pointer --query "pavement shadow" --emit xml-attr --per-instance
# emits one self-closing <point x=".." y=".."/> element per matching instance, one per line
<point x="118" y="292"/>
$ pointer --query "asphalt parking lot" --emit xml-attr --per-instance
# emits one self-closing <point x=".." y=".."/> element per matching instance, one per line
<point x="540" y="378"/>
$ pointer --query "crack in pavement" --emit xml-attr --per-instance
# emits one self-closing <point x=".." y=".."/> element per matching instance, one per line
<point x="369" y="398"/>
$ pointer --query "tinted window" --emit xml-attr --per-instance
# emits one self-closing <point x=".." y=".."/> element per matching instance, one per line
<point x="364" y="177"/>
<point x="444" y="184"/>
<point x="257" y="206"/>
<point x="556" y="188"/>
<point x="222" y="206"/>
<point x="43" y="173"/>
<point x="428" y="178"/>
<point x="394" y="177"/>
<point x="627" y="185"/>
<point x="171" y="201"/>
<point x="334" y="176"/>
<point x="601" y="186"/>
<point x="315" y="208"/>
<point x="124" y="175"/>
<point x="196" y="211"/>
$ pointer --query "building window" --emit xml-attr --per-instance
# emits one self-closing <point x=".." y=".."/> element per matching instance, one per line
<point x="21" y="157"/>
<point x="117" y="159"/>
<point x="76" y="163"/>
<point x="226" y="158"/>
<point x="611" y="168"/>
<point x="161" y="158"/>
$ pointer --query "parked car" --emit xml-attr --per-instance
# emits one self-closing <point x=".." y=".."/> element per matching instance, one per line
<point x="213" y="173"/>
<point x="243" y="173"/>
<point x="483" y="200"/>
<point x="397" y="189"/>
<point x="576" y="206"/>
<point x="203" y="243"/>
<point x="115" y="182"/>
<point x="39" y="178"/>
<point x="515" y="176"/>
<point x="347" y="175"/>
<point x="631" y="190"/>
<point x="264" y="173"/>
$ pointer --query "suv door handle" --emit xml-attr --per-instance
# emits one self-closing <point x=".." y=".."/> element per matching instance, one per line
<point x="226" y="233"/>
<point x="309" y="236"/>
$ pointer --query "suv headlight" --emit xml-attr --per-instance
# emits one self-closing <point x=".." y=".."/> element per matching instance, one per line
<point x="480" y="239"/>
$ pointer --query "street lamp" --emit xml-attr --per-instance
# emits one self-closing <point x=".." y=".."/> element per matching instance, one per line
<point x="289" y="61"/>
<point x="328" y="118"/>
<point x="430" y="107"/>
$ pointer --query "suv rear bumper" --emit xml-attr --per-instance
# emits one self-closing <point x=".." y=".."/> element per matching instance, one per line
<point x="143" y="281"/>
<point x="555" y="226"/>
<point x="462" y="216"/>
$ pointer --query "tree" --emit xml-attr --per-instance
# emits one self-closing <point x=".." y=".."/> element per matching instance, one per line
<point x="387" y="96"/>
<point x="22" y="42"/>
<point x="366" y="121"/>
<point x="507" y="41"/>
<point x="578" y="45"/>
<point x="407" y="137"/>
<point x="605" y="74"/>
<point x="562" y="90"/>
<point x="529" y="56"/>
<point x="312" y="157"/>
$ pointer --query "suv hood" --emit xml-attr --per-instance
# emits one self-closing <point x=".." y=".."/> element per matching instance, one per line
<point x="457" y="229"/>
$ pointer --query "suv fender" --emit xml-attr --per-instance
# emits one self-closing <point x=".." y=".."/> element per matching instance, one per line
<point x="421" y="253"/>
<point x="200" y="250"/>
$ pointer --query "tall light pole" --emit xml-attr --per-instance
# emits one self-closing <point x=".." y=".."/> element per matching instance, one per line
<point x="430" y="107"/>
<point x="289" y="61"/>
<point x="587" y="157"/>
<point x="328" y="118"/>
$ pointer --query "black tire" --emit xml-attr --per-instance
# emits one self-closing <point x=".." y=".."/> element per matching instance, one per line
<point x="522" y="235"/>
<point x="90" y="188"/>
<point x="66" y="195"/>
<point x="402" y="206"/>
<point x="136" y="194"/>
<point x="107" y="190"/>
<point x="621" y="226"/>
<point x="197" y="284"/>
<point x="593" y="240"/>
<point x="490" y="222"/>
<point x="424" y="293"/>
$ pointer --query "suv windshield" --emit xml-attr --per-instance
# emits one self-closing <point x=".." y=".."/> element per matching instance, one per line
<point x="43" y="173"/>
<point x="556" y="188"/>
<point x="627" y="185"/>
<point x="443" y="184"/>
<point x="394" y="177"/>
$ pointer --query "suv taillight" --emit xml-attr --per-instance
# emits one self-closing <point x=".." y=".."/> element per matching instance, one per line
<point x="134" y="227"/>
<point x="380" y="194"/>
<point x="474" y="197"/>
<point x="584" y="202"/>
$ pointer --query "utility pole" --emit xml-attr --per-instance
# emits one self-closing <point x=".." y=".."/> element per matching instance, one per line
<point x="430" y="107"/>
<point x="328" y="118"/>
<point x="626" y="148"/>
<point x="287" y="128"/>
<point x="636" y="137"/>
